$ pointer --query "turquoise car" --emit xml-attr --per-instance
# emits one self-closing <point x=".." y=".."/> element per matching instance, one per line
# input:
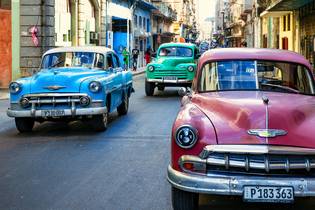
<point x="75" y="83"/>
<point x="175" y="65"/>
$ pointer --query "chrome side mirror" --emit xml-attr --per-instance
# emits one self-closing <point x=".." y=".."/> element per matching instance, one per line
<point x="183" y="91"/>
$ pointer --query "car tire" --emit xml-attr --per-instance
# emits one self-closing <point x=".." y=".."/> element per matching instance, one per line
<point x="99" y="122"/>
<point x="161" y="88"/>
<point x="122" y="109"/>
<point x="149" y="88"/>
<point x="24" y="124"/>
<point x="183" y="200"/>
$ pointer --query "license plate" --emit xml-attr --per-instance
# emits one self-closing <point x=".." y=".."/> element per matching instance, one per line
<point x="269" y="194"/>
<point x="170" y="78"/>
<point x="53" y="113"/>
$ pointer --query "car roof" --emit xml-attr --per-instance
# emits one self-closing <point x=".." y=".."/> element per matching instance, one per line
<point x="254" y="54"/>
<point x="92" y="49"/>
<point x="177" y="44"/>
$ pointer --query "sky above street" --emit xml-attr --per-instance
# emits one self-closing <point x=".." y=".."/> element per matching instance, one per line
<point x="206" y="8"/>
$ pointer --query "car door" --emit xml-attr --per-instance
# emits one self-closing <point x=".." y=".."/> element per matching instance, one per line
<point x="112" y="81"/>
<point x="118" y="79"/>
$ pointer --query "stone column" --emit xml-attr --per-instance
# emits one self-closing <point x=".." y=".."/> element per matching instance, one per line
<point x="81" y="23"/>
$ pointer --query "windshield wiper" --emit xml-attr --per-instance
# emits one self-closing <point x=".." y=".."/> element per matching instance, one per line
<point x="281" y="87"/>
<point x="56" y="64"/>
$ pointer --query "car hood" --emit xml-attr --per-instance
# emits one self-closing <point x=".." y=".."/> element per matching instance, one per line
<point x="234" y="113"/>
<point x="61" y="79"/>
<point x="173" y="61"/>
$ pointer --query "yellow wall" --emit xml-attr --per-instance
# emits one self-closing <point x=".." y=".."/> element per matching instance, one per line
<point x="290" y="34"/>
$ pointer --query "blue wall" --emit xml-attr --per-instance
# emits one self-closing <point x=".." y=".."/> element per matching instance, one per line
<point x="120" y="42"/>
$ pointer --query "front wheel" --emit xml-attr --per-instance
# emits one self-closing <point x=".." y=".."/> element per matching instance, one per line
<point x="149" y="88"/>
<point x="183" y="200"/>
<point x="122" y="109"/>
<point x="24" y="124"/>
<point x="99" y="122"/>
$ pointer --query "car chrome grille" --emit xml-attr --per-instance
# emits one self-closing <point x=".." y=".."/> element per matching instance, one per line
<point x="180" y="74"/>
<point x="54" y="99"/>
<point x="270" y="164"/>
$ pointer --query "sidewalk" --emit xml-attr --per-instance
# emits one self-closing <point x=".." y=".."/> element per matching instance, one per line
<point x="4" y="93"/>
<point x="139" y="71"/>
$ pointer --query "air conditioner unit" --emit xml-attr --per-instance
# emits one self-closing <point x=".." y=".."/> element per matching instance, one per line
<point x="94" y="36"/>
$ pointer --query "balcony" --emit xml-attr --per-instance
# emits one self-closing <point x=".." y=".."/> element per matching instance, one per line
<point x="164" y="10"/>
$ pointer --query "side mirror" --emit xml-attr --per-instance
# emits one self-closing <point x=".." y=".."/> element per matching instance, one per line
<point x="153" y="55"/>
<point x="183" y="91"/>
<point x="198" y="56"/>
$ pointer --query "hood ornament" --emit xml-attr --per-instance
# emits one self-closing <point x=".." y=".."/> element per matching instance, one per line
<point x="54" y="87"/>
<point x="267" y="133"/>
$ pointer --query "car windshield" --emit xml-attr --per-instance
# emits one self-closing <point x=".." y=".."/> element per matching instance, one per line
<point x="176" y="52"/>
<point x="256" y="75"/>
<point x="73" y="59"/>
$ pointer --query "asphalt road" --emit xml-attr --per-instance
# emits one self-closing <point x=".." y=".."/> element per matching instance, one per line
<point x="67" y="166"/>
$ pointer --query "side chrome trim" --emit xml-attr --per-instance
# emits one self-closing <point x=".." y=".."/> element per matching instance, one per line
<point x="226" y="184"/>
<point x="256" y="149"/>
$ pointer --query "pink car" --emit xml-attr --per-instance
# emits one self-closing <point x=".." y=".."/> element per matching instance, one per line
<point x="247" y="128"/>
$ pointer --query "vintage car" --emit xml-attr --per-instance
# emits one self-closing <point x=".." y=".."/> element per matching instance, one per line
<point x="75" y="83"/>
<point x="174" y="65"/>
<point x="246" y="128"/>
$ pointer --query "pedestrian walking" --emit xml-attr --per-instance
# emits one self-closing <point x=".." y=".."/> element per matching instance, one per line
<point x="147" y="56"/>
<point x="125" y="54"/>
<point x="135" y="55"/>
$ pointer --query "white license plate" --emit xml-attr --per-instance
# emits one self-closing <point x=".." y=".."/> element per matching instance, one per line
<point x="53" y="113"/>
<point x="170" y="78"/>
<point x="268" y="194"/>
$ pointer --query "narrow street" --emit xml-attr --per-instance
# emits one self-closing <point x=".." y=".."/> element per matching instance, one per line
<point x="60" y="166"/>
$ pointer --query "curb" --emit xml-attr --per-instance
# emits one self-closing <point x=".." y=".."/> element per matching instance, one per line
<point x="138" y="72"/>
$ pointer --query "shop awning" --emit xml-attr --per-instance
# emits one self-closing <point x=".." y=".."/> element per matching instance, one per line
<point x="285" y="5"/>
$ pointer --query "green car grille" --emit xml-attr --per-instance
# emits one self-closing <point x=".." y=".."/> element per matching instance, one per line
<point x="180" y="74"/>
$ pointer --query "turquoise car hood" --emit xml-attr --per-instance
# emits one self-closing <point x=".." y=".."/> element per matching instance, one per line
<point x="62" y="79"/>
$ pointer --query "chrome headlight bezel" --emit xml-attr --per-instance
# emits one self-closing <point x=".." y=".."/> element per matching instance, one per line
<point x="15" y="87"/>
<point x="182" y="133"/>
<point x="151" y="68"/>
<point x="191" y="68"/>
<point x="95" y="86"/>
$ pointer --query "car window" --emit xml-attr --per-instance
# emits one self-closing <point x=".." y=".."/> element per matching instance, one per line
<point x="176" y="51"/>
<point x="256" y="75"/>
<point x="69" y="59"/>
<point x="116" y="61"/>
<point x="109" y="61"/>
<point x="99" y="61"/>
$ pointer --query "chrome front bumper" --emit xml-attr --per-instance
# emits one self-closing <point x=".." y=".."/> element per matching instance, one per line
<point x="178" y="81"/>
<point x="234" y="185"/>
<point x="68" y="112"/>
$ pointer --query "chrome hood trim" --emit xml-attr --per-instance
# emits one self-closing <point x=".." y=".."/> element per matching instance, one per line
<point x="256" y="149"/>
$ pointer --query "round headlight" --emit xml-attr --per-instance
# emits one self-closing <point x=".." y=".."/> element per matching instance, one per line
<point x="95" y="87"/>
<point x="186" y="136"/>
<point x="151" y="68"/>
<point x="24" y="102"/>
<point x="15" y="87"/>
<point x="85" y="101"/>
<point x="190" y="68"/>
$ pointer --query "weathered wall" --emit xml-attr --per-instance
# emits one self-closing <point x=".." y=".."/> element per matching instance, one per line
<point x="5" y="48"/>
<point x="32" y="13"/>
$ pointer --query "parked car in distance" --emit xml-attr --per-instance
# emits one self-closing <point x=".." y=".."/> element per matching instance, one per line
<point x="174" y="65"/>
<point x="245" y="129"/>
<point x="74" y="83"/>
<point x="203" y="47"/>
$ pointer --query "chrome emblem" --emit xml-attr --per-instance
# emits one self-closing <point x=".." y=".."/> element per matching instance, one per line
<point x="267" y="133"/>
<point x="54" y="87"/>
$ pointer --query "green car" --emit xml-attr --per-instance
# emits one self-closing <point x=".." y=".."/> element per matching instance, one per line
<point x="175" y="65"/>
